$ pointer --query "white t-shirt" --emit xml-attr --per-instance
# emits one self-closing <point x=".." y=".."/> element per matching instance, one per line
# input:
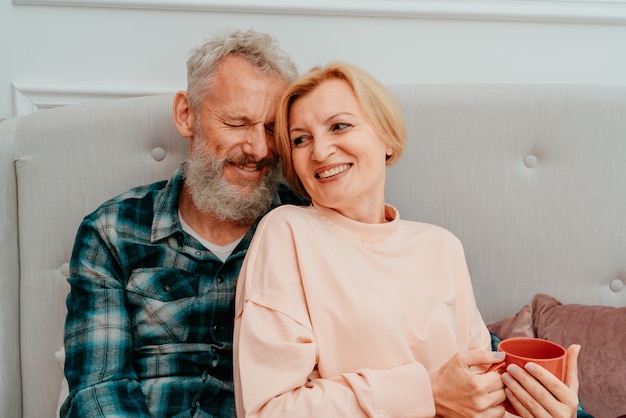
<point x="221" y="251"/>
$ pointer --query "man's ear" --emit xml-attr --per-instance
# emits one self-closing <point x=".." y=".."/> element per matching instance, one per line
<point x="184" y="117"/>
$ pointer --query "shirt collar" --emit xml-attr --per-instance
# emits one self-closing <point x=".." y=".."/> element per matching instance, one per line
<point x="165" y="222"/>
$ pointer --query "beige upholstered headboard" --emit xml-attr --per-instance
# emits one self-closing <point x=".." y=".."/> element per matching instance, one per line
<point x="532" y="179"/>
<point x="66" y="162"/>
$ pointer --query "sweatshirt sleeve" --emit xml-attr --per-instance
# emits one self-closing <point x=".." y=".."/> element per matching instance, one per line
<point x="276" y="351"/>
<point x="469" y="318"/>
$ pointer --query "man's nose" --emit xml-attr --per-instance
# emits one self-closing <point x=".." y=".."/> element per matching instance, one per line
<point x="256" y="143"/>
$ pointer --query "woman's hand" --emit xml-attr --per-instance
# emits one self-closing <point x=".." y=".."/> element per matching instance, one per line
<point x="460" y="391"/>
<point x="535" y="392"/>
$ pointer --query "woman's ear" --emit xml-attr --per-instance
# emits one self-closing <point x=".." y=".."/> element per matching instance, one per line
<point x="184" y="117"/>
<point x="389" y="153"/>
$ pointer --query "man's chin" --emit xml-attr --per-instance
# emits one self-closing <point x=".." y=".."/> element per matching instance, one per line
<point x="245" y="192"/>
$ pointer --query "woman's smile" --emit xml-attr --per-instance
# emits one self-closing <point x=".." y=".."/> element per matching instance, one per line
<point x="331" y="172"/>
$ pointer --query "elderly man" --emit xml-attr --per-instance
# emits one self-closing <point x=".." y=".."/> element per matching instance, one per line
<point x="153" y="271"/>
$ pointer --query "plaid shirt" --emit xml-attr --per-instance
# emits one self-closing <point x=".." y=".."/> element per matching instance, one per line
<point x="150" y="312"/>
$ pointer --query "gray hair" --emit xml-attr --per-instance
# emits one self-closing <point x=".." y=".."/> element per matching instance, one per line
<point x="258" y="48"/>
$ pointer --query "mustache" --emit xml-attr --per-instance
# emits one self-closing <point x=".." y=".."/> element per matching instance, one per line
<point x="244" y="160"/>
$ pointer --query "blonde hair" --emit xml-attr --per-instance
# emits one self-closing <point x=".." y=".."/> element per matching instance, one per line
<point x="379" y="104"/>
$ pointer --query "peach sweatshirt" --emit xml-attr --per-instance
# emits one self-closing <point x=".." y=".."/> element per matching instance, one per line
<point x="337" y="318"/>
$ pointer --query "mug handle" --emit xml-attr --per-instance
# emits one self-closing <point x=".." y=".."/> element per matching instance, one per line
<point x="497" y="367"/>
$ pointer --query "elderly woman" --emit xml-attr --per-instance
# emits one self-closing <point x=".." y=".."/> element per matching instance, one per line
<point x="346" y="310"/>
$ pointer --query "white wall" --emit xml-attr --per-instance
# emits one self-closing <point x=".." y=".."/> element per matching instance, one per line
<point x="62" y="54"/>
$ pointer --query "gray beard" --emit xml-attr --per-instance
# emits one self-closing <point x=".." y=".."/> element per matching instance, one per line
<point x="211" y="193"/>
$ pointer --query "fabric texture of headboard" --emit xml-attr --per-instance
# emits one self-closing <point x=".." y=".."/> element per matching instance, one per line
<point x="66" y="162"/>
<point x="531" y="178"/>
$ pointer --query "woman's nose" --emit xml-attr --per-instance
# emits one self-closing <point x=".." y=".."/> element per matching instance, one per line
<point x="323" y="148"/>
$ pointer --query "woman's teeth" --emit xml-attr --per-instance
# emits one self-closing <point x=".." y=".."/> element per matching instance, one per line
<point x="333" y="171"/>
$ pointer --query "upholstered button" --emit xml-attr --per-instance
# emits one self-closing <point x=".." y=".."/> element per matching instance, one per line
<point x="617" y="285"/>
<point x="65" y="269"/>
<point x="530" y="161"/>
<point x="158" y="153"/>
<point x="166" y="288"/>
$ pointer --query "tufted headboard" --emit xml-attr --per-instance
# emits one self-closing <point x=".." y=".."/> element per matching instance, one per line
<point x="532" y="179"/>
<point x="64" y="162"/>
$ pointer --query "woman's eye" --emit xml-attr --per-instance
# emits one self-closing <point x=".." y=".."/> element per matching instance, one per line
<point x="339" y="126"/>
<point x="298" y="141"/>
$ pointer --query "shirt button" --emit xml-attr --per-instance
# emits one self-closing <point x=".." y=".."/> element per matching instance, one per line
<point x="166" y="288"/>
<point x="220" y="280"/>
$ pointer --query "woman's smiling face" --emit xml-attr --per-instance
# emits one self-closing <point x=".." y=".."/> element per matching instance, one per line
<point x="336" y="152"/>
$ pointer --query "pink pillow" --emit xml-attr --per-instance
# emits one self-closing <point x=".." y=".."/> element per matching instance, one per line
<point x="518" y="325"/>
<point x="601" y="332"/>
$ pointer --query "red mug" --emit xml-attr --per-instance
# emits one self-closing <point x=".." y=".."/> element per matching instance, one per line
<point x="519" y="351"/>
